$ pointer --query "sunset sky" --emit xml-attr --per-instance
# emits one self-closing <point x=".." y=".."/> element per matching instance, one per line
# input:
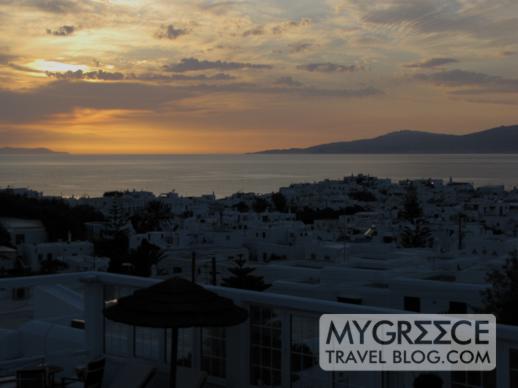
<point x="198" y="76"/>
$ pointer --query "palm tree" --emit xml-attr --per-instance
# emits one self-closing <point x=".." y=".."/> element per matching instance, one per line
<point x="152" y="217"/>
<point x="411" y="207"/>
<point x="243" y="278"/>
<point x="417" y="236"/>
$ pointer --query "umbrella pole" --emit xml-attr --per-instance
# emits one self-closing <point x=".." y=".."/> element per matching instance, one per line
<point x="174" y="355"/>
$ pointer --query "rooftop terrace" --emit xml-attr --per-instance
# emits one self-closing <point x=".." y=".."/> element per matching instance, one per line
<point x="276" y="347"/>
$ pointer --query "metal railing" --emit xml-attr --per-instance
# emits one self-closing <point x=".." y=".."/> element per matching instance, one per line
<point x="288" y="312"/>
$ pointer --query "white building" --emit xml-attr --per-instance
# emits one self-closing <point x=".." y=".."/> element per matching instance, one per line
<point x="24" y="231"/>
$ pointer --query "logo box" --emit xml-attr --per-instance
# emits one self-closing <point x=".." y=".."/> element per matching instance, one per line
<point x="407" y="342"/>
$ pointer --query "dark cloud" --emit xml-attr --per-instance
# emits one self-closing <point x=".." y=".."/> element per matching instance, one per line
<point x="329" y="68"/>
<point x="24" y="68"/>
<point x="490" y="101"/>
<point x="300" y="47"/>
<point x="62" y="31"/>
<point x="182" y="77"/>
<point x="63" y="6"/>
<point x="477" y="82"/>
<point x="509" y="53"/>
<point x="193" y="64"/>
<point x="79" y="74"/>
<point x="5" y="58"/>
<point x="283" y="27"/>
<point x="433" y="62"/>
<point x="102" y="75"/>
<point x="63" y="96"/>
<point x="14" y="136"/>
<point x="54" y="6"/>
<point x="277" y="29"/>
<point x="170" y="32"/>
<point x="288" y="81"/>
<point x="295" y="48"/>
<point x="341" y="93"/>
<point x="255" y="31"/>
<point x="290" y="90"/>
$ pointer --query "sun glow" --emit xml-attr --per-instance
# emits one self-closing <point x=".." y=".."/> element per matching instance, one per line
<point x="55" y="66"/>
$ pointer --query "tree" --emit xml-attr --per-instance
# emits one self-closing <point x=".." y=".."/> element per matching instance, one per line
<point x="144" y="257"/>
<point x="362" y="196"/>
<point x="241" y="207"/>
<point x="418" y="236"/>
<point x="115" y="248"/>
<point x="411" y="208"/>
<point x="280" y="203"/>
<point x="116" y="219"/>
<point x="57" y="216"/>
<point x="243" y="278"/>
<point x="260" y="205"/>
<point x="152" y="217"/>
<point x="501" y="298"/>
<point x="309" y="215"/>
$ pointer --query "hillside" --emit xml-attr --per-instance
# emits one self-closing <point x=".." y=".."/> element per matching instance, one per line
<point x="496" y="140"/>
<point x="28" y="151"/>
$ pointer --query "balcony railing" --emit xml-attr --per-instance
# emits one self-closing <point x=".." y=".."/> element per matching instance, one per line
<point x="276" y="347"/>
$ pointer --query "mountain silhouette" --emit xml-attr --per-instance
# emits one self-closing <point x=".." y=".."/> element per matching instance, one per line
<point x="501" y="140"/>
<point x="27" y="151"/>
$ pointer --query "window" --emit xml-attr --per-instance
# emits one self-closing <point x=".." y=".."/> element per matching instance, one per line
<point x="304" y="353"/>
<point x="214" y="351"/>
<point x="117" y="336"/>
<point x="265" y="347"/>
<point x="185" y="346"/>
<point x="147" y="343"/>
<point x="412" y="303"/>
<point x="462" y="379"/>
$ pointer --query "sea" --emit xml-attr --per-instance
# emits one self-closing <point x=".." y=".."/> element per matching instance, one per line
<point x="191" y="175"/>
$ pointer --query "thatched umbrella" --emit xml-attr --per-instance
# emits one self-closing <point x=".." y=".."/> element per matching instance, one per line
<point x="173" y="304"/>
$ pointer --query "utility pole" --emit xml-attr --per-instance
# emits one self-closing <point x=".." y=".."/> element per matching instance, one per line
<point x="345" y="238"/>
<point x="460" y="231"/>
<point x="214" y="279"/>
<point x="193" y="267"/>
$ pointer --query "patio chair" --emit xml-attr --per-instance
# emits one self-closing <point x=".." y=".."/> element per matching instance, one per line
<point x="90" y="377"/>
<point x="133" y="375"/>
<point x="32" y="378"/>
